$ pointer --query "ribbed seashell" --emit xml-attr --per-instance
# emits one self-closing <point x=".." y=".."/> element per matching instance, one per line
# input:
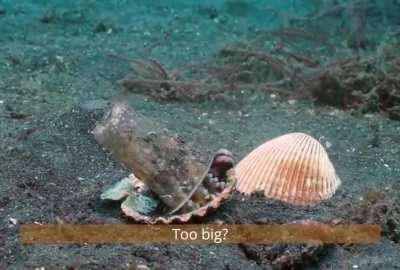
<point x="293" y="168"/>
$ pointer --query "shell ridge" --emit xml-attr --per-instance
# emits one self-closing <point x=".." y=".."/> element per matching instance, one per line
<point x="329" y="167"/>
<point x="308" y="193"/>
<point x="299" y="169"/>
<point x="275" y="151"/>
<point x="289" y="162"/>
<point x="260" y="180"/>
<point x="315" y="184"/>
<point x="248" y="172"/>
<point x="323" y="184"/>
<point x="292" y="196"/>
<point x="273" y="169"/>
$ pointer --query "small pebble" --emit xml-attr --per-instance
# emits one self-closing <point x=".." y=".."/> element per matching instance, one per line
<point x="218" y="221"/>
<point x="142" y="267"/>
<point x="386" y="165"/>
<point x="213" y="180"/>
<point x="13" y="221"/>
<point x="328" y="144"/>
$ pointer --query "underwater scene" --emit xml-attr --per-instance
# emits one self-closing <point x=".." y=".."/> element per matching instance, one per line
<point x="216" y="113"/>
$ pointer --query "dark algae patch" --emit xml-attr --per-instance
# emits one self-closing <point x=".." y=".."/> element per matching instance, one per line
<point x="221" y="74"/>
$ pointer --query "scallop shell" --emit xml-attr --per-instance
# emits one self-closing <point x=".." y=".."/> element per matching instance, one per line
<point x="293" y="168"/>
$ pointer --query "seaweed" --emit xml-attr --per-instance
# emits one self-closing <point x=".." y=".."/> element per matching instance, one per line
<point x="339" y="55"/>
<point x="379" y="208"/>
